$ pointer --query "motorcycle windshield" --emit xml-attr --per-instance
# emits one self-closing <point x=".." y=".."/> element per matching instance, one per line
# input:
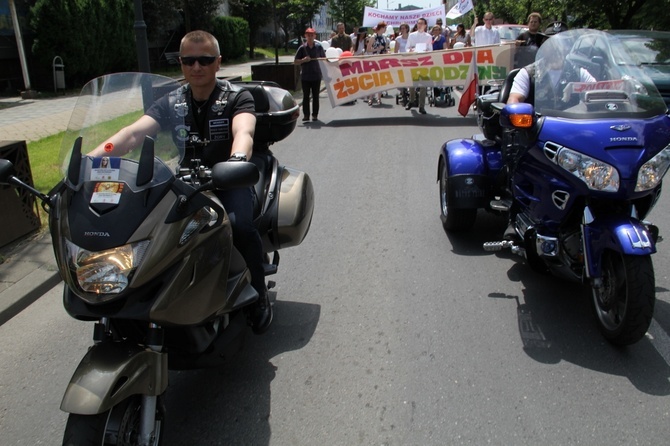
<point x="587" y="74"/>
<point x="109" y="103"/>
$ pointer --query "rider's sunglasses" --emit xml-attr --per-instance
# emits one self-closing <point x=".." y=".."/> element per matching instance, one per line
<point x="202" y="60"/>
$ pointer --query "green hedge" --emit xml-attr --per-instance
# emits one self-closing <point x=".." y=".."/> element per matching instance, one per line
<point x="92" y="37"/>
<point x="96" y="37"/>
<point x="233" y="36"/>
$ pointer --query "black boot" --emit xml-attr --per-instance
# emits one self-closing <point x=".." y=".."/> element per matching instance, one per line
<point x="261" y="314"/>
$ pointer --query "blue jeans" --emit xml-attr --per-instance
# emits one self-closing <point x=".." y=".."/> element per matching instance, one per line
<point x="239" y="205"/>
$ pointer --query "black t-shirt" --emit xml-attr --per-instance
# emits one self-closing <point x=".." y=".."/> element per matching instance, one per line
<point x="310" y="71"/>
<point x="531" y="39"/>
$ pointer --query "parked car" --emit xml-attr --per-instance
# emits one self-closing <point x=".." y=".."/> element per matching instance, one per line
<point x="509" y="31"/>
<point x="648" y="49"/>
<point x="651" y="49"/>
<point x="294" y="44"/>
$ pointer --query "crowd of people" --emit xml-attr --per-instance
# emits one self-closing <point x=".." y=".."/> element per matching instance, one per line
<point x="366" y="41"/>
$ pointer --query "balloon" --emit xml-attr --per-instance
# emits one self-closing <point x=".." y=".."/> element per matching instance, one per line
<point x="392" y="45"/>
<point x="346" y="54"/>
<point x="332" y="54"/>
<point x="325" y="44"/>
<point x="459" y="45"/>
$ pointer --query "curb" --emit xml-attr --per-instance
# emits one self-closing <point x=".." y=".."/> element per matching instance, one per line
<point x="26" y="291"/>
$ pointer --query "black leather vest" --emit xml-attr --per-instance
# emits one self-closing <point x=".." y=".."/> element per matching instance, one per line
<point x="549" y="95"/>
<point x="214" y="127"/>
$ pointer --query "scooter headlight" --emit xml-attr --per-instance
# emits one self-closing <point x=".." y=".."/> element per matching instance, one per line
<point x="596" y="174"/>
<point x="652" y="172"/>
<point x="105" y="272"/>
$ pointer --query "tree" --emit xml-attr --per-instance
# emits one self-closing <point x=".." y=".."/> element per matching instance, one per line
<point x="255" y="12"/>
<point x="599" y="14"/>
<point x="349" y="12"/>
<point x="162" y="17"/>
<point x="198" y="14"/>
<point x="303" y="11"/>
<point x="649" y="17"/>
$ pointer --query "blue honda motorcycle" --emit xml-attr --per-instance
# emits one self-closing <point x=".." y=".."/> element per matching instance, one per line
<point x="576" y="167"/>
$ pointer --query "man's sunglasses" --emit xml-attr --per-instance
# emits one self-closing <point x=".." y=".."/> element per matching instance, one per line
<point x="202" y="60"/>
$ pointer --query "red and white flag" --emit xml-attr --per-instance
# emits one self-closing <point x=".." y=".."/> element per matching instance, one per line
<point x="470" y="91"/>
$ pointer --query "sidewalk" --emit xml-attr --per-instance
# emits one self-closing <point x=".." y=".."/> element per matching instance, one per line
<point x="28" y="268"/>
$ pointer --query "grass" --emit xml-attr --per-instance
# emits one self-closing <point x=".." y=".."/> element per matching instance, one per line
<point x="44" y="161"/>
<point x="44" y="166"/>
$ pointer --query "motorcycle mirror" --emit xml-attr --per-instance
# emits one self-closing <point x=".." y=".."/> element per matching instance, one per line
<point x="8" y="176"/>
<point x="234" y="174"/>
<point x="75" y="162"/>
<point x="145" y="170"/>
<point x="6" y="171"/>
<point x="517" y="116"/>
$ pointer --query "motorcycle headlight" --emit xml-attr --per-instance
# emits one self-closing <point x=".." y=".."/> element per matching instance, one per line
<point x="651" y="173"/>
<point x="105" y="272"/>
<point x="596" y="174"/>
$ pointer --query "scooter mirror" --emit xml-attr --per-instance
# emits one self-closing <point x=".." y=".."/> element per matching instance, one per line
<point x="234" y="174"/>
<point x="6" y="171"/>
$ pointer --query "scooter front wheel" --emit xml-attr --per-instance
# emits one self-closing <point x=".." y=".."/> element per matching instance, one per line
<point x="453" y="219"/>
<point x="117" y="426"/>
<point x="624" y="305"/>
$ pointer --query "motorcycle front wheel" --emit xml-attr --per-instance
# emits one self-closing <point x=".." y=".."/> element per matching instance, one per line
<point x="453" y="219"/>
<point x="118" y="426"/>
<point x="624" y="305"/>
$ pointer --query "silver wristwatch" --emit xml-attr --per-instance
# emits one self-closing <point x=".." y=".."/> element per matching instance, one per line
<point x="238" y="156"/>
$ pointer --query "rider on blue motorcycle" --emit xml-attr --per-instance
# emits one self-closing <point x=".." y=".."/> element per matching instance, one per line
<point x="546" y="79"/>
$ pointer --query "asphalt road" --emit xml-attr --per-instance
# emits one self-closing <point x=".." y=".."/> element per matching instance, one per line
<point x="387" y="330"/>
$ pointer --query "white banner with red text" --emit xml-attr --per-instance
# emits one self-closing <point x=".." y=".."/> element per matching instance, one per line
<point x="372" y="16"/>
<point x="355" y="77"/>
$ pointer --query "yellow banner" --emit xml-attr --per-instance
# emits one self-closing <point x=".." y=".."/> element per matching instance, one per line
<point x="354" y="77"/>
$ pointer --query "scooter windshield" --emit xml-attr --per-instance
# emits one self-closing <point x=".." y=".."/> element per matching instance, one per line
<point x="109" y="103"/>
<point x="587" y="74"/>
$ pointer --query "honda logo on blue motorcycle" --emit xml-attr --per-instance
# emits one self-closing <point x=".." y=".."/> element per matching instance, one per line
<point x="620" y="127"/>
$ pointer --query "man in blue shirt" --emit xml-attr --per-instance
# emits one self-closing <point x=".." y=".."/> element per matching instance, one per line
<point x="310" y="73"/>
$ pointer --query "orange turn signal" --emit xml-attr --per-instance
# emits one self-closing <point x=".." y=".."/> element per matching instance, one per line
<point x="522" y="121"/>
